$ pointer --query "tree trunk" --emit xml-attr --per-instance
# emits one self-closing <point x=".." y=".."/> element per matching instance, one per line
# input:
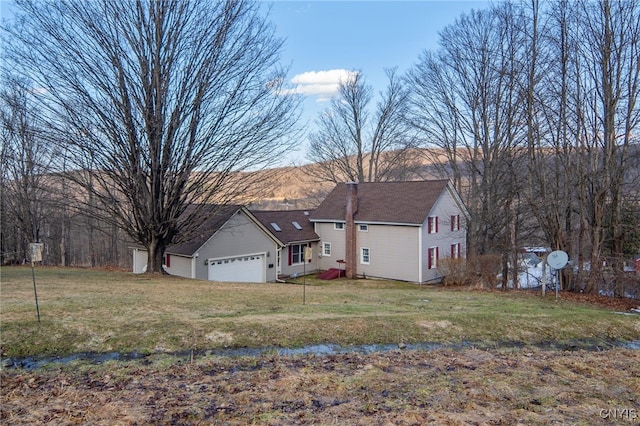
<point x="514" y="247"/>
<point x="595" y="269"/>
<point x="155" y="256"/>
<point x="63" y="258"/>
<point x="505" y="270"/>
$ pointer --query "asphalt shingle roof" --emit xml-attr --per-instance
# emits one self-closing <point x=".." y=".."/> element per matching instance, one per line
<point x="383" y="202"/>
<point x="284" y="220"/>
<point x="378" y="202"/>
<point x="212" y="217"/>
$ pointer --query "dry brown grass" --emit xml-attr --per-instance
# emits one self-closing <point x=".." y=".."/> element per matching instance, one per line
<point x="448" y="387"/>
<point x="104" y="311"/>
<point x="521" y="383"/>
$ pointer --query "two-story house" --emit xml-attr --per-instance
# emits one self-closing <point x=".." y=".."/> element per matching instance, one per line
<point x="397" y="230"/>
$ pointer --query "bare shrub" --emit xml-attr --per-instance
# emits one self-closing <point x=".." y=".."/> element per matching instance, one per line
<point x="482" y="270"/>
<point x="453" y="271"/>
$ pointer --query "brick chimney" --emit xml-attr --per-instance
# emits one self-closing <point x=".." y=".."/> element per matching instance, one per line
<point x="351" y="255"/>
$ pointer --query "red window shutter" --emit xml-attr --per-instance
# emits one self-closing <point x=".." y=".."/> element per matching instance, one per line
<point x="167" y="261"/>
<point x="437" y="250"/>
<point x="290" y="255"/>
<point x="436" y="226"/>
<point x="429" y="260"/>
<point x="453" y="224"/>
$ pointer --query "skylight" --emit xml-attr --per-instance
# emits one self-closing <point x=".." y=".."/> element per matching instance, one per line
<point x="275" y="226"/>
<point x="297" y="226"/>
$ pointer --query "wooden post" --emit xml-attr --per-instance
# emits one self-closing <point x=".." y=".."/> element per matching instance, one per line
<point x="36" y="255"/>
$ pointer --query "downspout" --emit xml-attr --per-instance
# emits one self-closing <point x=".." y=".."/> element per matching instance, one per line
<point x="279" y="265"/>
<point x="420" y="254"/>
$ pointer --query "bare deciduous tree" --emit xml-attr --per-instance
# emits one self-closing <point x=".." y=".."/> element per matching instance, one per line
<point x="354" y="144"/>
<point x="160" y="104"/>
<point x="609" y="118"/>
<point x="550" y="147"/>
<point x="557" y="82"/>
<point x="26" y="160"/>
<point x="467" y="102"/>
<point x="434" y="112"/>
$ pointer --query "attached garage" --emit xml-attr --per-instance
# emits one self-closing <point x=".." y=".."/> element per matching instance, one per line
<point x="250" y="268"/>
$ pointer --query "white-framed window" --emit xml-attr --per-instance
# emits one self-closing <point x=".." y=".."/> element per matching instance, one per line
<point x="432" y="224"/>
<point x="433" y="257"/>
<point x="365" y="255"/>
<point x="326" y="249"/>
<point x="455" y="251"/>
<point x="363" y="227"/>
<point x="338" y="225"/>
<point x="296" y="254"/>
<point x="455" y="222"/>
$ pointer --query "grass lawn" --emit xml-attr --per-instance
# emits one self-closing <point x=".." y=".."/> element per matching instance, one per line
<point x="101" y="311"/>
<point x="530" y="383"/>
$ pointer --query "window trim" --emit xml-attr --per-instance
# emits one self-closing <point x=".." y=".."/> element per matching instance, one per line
<point x="455" y="222"/>
<point x="325" y="245"/>
<point x="432" y="224"/>
<point x="432" y="260"/>
<point x="338" y="226"/>
<point x="456" y="251"/>
<point x="362" y="256"/>
<point x="363" y="227"/>
<point x="300" y="254"/>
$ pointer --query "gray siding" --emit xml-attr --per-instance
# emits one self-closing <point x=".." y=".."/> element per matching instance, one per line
<point x="428" y="241"/>
<point x="393" y="252"/>
<point x="443" y="209"/>
<point x="399" y="251"/>
<point x="239" y="236"/>
<point x="180" y="266"/>
<point x="308" y="268"/>
<point x="336" y="238"/>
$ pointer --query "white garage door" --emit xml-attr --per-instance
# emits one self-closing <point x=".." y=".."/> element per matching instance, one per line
<point x="244" y="269"/>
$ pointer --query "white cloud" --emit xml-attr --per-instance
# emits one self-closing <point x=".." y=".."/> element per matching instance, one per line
<point x="321" y="77"/>
<point x="323" y="84"/>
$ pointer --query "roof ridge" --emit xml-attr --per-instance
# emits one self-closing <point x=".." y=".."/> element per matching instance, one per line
<point x="280" y="211"/>
<point x="396" y="183"/>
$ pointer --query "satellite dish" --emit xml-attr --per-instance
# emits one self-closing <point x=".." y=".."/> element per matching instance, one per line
<point x="557" y="259"/>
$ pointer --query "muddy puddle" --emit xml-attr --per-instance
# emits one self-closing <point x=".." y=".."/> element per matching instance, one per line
<point x="35" y="363"/>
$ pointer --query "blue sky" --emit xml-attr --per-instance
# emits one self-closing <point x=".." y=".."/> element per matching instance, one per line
<point x="368" y="36"/>
<point x="327" y="39"/>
